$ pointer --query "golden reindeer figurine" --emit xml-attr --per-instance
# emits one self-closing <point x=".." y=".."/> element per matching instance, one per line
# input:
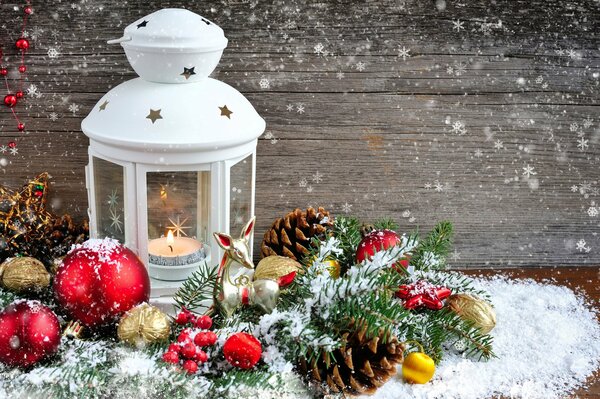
<point x="229" y="295"/>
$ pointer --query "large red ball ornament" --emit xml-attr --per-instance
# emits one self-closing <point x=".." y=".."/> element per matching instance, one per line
<point x="375" y="241"/>
<point x="29" y="332"/>
<point x="22" y="43"/>
<point x="242" y="350"/>
<point x="10" y="100"/>
<point x="100" y="280"/>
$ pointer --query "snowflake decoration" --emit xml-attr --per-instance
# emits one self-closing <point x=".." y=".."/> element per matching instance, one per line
<point x="320" y="49"/>
<point x="303" y="182"/>
<point x="588" y="122"/>
<point x="300" y="108"/>
<point x="14" y="151"/>
<point x="53" y="116"/>
<point x="53" y="53"/>
<point x="460" y="68"/>
<point x="581" y="246"/>
<point x="113" y="199"/>
<point x="115" y="220"/>
<point x="478" y="153"/>
<point x="427" y="186"/>
<point x="439" y="187"/>
<point x="582" y="144"/>
<point x="317" y="177"/>
<point x="458" y="25"/>
<point x="574" y="127"/>
<point x="178" y="227"/>
<point x="340" y="75"/>
<point x="264" y="83"/>
<point x="592" y="211"/>
<point x="455" y="255"/>
<point x="404" y="53"/>
<point x="309" y="189"/>
<point x="32" y="91"/>
<point x="290" y="107"/>
<point x="3" y="149"/>
<point x="360" y="66"/>
<point x="74" y="108"/>
<point x="528" y="171"/>
<point x="347" y="208"/>
<point x="498" y="145"/>
<point x="459" y="128"/>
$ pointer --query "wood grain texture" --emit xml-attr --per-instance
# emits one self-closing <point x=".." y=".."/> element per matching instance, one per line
<point x="355" y="124"/>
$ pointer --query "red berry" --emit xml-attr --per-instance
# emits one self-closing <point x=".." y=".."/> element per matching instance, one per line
<point x="204" y="322"/>
<point x="184" y="336"/>
<point x="205" y="338"/>
<point x="28" y="10"/>
<point x="22" y="68"/>
<point x="182" y="318"/>
<point x="188" y="350"/>
<point x="190" y="366"/>
<point x="3" y="71"/>
<point x="201" y="356"/>
<point x="174" y="348"/>
<point x="171" y="357"/>
<point x="20" y="127"/>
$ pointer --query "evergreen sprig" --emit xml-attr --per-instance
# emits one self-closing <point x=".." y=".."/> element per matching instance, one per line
<point x="196" y="290"/>
<point x="433" y="249"/>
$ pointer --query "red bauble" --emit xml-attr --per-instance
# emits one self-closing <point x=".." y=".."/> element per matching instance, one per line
<point x="10" y="100"/>
<point x="20" y="127"/>
<point x="29" y="331"/>
<point x="19" y="94"/>
<point x="22" y="68"/>
<point x="242" y="350"/>
<point x="28" y="10"/>
<point x="22" y="43"/>
<point x="100" y="280"/>
<point x="375" y="241"/>
<point x="3" y="71"/>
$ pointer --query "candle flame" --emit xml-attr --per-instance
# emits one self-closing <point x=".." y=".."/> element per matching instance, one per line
<point x="170" y="239"/>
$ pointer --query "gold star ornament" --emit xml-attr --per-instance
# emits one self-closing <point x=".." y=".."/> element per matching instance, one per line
<point x="225" y="111"/>
<point x="187" y="72"/>
<point x="103" y="106"/>
<point x="154" y="115"/>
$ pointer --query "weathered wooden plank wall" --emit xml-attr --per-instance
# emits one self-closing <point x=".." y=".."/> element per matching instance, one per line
<point x="482" y="112"/>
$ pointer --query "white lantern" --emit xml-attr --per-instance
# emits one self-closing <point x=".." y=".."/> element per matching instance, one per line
<point x="172" y="153"/>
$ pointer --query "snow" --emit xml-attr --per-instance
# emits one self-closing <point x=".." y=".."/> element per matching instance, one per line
<point x="547" y="342"/>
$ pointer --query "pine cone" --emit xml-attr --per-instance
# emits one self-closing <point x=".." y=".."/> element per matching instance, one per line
<point x="290" y="236"/>
<point x="360" y="366"/>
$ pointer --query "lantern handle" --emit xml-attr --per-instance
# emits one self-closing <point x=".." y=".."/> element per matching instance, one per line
<point x="119" y="40"/>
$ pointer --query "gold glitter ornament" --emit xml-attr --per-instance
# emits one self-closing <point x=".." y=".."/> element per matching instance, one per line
<point x="473" y="309"/>
<point x="144" y="324"/>
<point x="24" y="274"/>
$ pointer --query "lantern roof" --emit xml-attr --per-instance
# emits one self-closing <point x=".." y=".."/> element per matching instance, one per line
<point x="173" y="105"/>
<point x="206" y="115"/>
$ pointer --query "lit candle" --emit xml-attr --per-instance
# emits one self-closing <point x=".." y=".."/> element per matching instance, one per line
<point x="175" y="251"/>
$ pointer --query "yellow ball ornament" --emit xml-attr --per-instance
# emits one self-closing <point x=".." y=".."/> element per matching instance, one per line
<point x="332" y="265"/>
<point x="418" y="368"/>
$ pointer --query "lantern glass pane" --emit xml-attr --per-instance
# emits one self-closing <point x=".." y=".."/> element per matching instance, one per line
<point x="109" y="197"/>
<point x="240" y="210"/>
<point x="180" y="202"/>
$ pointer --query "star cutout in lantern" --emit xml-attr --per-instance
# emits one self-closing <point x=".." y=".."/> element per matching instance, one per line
<point x="103" y="105"/>
<point x="154" y="115"/>
<point x="423" y="293"/>
<point x="142" y="24"/>
<point x="187" y="72"/>
<point x="23" y="216"/>
<point x="225" y="111"/>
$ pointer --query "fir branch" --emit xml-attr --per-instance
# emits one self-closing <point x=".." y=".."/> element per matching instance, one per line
<point x="386" y="223"/>
<point x="434" y="248"/>
<point x="197" y="289"/>
<point x="347" y="231"/>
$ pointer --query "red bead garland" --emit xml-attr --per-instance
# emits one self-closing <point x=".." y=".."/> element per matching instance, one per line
<point x="22" y="44"/>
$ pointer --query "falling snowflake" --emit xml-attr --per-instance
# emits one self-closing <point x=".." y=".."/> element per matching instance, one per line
<point x="340" y="75"/>
<point x="271" y="137"/>
<point x="582" y="144"/>
<point x="309" y="189"/>
<point x="53" y="116"/>
<point x="460" y="68"/>
<point x="14" y="151"/>
<point x="290" y="107"/>
<point x="528" y="171"/>
<point x="592" y="211"/>
<point x="439" y="187"/>
<point x="459" y="128"/>
<point x="574" y="127"/>
<point x="264" y="83"/>
<point x="574" y="55"/>
<point x="3" y="149"/>
<point x="406" y="214"/>
<point x="317" y="177"/>
<point x="455" y="255"/>
<point x="33" y="91"/>
<point x="303" y="182"/>
<point x="404" y="53"/>
<point x="347" y="208"/>
<point x="539" y="79"/>
<point x="427" y="186"/>
<point x="574" y="188"/>
<point x="320" y="49"/>
<point x="360" y="66"/>
<point x="478" y="153"/>
<point x="74" y="108"/>
<point x="300" y="108"/>
<point x="588" y="122"/>
<point x="498" y="145"/>
<point x="582" y="246"/>
<point x="458" y="25"/>
<point x="53" y="53"/>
